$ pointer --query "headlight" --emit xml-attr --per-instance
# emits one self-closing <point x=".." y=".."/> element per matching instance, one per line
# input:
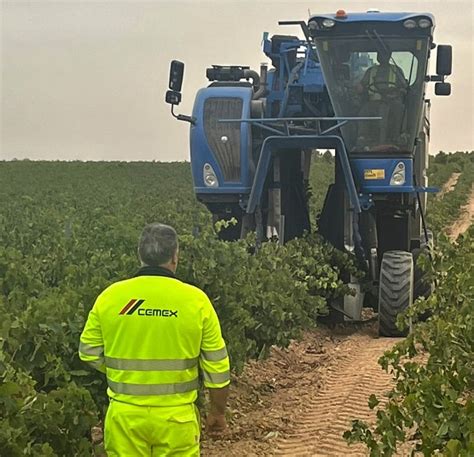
<point x="328" y="23"/>
<point x="397" y="179"/>
<point x="424" y="23"/>
<point x="398" y="175"/>
<point x="210" y="178"/>
<point x="409" y="24"/>
<point x="211" y="181"/>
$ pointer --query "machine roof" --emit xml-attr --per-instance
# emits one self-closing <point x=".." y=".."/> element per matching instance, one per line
<point x="372" y="16"/>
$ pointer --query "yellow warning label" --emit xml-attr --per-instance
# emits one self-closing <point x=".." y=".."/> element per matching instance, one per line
<point x="374" y="174"/>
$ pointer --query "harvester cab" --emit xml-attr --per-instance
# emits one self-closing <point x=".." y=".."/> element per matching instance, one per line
<point x="355" y="84"/>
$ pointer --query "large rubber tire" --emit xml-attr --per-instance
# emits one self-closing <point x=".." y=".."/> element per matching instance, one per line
<point x="395" y="290"/>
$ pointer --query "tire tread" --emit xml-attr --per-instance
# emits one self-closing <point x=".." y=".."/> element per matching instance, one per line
<point x="395" y="290"/>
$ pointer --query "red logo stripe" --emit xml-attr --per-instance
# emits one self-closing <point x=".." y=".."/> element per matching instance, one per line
<point x="135" y="307"/>
<point x="128" y="306"/>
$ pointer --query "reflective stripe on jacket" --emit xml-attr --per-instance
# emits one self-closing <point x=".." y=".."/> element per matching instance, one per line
<point x="149" y="335"/>
<point x="378" y="74"/>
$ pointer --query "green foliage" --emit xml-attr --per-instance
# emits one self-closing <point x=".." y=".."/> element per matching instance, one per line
<point x="431" y="405"/>
<point x="321" y="176"/>
<point x="267" y="298"/>
<point x="70" y="230"/>
<point x="444" y="211"/>
<point x="442" y="165"/>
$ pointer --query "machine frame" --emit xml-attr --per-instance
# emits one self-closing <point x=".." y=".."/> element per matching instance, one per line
<point x="252" y="135"/>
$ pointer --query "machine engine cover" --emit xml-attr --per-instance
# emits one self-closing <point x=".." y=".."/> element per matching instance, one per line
<point x="226" y="147"/>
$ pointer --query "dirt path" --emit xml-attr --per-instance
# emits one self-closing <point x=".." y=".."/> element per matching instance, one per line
<point x="343" y="397"/>
<point x="465" y="219"/>
<point x="301" y="400"/>
<point x="449" y="185"/>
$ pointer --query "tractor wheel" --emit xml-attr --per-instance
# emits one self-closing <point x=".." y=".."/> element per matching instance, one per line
<point x="395" y="290"/>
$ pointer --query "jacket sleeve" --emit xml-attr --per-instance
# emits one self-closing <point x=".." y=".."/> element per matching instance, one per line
<point x="213" y="360"/>
<point x="365" y="79"/>
<point x="91" y="345"/>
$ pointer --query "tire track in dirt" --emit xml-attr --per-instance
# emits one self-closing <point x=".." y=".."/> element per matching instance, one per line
<point x="343" y="397"/>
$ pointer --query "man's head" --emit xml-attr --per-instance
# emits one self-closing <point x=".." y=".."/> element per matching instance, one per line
<point x="158" y="246"/>
<point x="383" y="57"/>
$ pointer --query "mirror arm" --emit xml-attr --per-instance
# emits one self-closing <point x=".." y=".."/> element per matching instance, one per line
<point x="183" y="117"/>
<point x="437" y="78"/>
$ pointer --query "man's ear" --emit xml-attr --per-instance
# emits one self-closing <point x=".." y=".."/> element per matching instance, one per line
<point x="175" y="257"/>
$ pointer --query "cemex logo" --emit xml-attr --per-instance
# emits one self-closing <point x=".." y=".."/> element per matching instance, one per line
<point x="134" y="305"/>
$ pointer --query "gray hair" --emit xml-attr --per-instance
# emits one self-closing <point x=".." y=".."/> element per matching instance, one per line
<point x="157" y="245"/>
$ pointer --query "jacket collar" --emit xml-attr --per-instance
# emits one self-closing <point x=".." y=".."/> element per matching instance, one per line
<point x="148" y="270"/>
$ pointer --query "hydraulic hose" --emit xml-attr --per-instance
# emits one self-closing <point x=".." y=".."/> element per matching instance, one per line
<point x="254" y="76"/>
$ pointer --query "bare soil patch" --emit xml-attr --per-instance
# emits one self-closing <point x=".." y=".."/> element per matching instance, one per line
<point x="449" y="185"/>
<point x="301" y="399"/>
<point x="465" y="219"/>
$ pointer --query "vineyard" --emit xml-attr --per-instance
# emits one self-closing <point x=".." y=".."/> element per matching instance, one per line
<point x="71" y="229"/>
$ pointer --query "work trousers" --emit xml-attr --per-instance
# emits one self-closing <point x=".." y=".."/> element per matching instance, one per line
<point x="136" y="431"/>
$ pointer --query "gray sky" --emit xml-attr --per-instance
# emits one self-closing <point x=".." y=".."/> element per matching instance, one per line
<point x="86" y="80"/>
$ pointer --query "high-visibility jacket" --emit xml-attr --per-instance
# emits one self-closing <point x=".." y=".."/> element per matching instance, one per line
<point x="379" y="74"/>
<point x="149" y="335"/>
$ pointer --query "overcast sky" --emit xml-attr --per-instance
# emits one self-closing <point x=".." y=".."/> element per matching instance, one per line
<point x="86" y="80"/>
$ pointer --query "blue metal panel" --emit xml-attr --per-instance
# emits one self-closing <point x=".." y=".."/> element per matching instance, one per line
<point x="312" y="77"/>
<point x="381" y="185"/>
<point x="223" y="190"/>
<point x="274" y="143"/>
<point x="373" y="17"/>
<point x="201" y="152"/>
<point x="427" y="190"/>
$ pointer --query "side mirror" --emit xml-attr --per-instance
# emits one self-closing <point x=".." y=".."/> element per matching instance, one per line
<point x="176" y="75"/>
<point x="444" y="60"/>
<point x="173" y="96"/>
<point x="443" y="89"/>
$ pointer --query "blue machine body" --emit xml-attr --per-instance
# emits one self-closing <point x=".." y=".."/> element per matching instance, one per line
<point x="287" y="84"/>
<point x="310" y="78"/>
<point x="356" y="86"/>
<point x="252" y="133"/>
<point x="373" y="175"/>
<point x="202" y="152"/>
<point x="376" y="16"/>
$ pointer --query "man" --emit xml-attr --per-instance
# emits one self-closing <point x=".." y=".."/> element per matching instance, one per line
<point x="383" y="85"/>
<point x="148" y="335"/>
<point x="383" y="80"/>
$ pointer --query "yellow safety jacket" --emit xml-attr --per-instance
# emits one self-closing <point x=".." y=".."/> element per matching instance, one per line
<point x="149" y="334"/>
<point x="375" y="76"/>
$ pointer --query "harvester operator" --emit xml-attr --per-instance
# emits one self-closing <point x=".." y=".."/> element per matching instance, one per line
<point x="150" y="334"/>
<point x="382" y="86"/>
